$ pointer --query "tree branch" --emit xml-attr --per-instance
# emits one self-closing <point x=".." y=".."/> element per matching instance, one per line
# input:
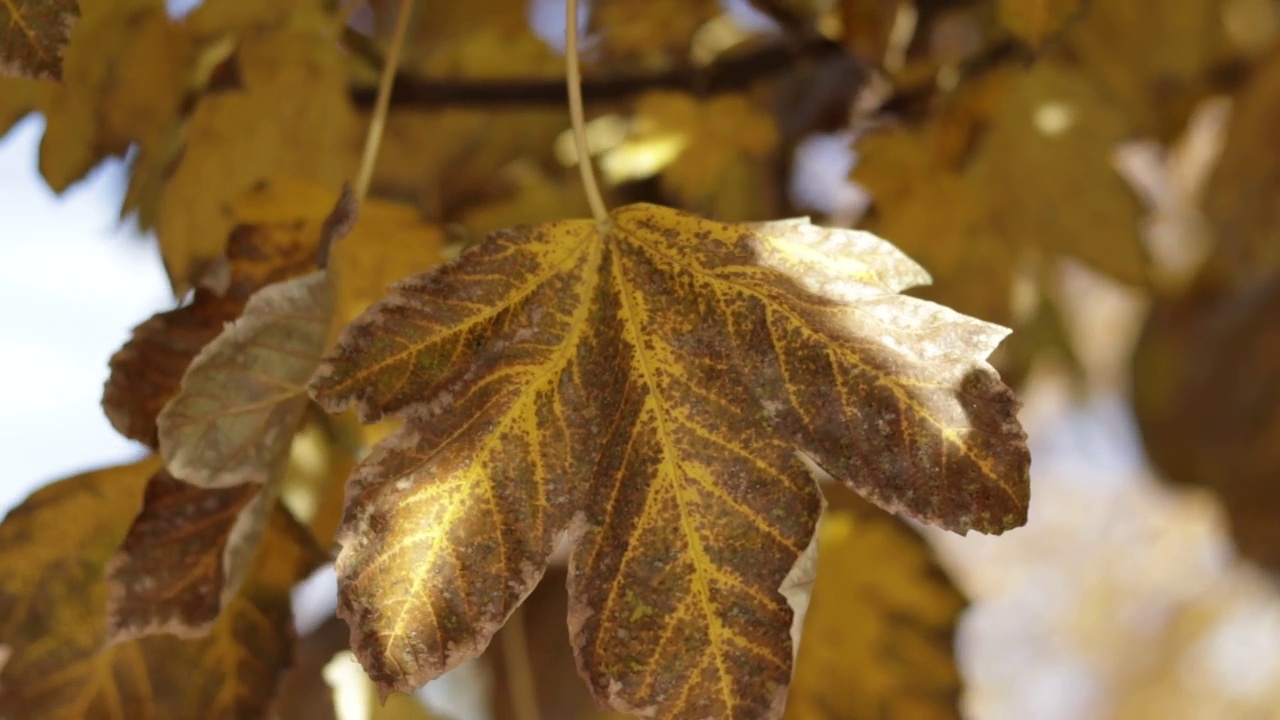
<point x="733" y="72"/>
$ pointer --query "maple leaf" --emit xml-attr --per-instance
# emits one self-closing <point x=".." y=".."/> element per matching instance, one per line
<point x="878" y="634"/>
<point x="1045" y="162"/>
<point x="52" y="619"/>
<point x="657" y="390"/>
<point x="1035" y="21"/>
<point x="33" y="35"/>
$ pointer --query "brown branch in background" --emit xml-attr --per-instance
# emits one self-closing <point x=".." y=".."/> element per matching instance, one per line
<point x="733" y="72"/>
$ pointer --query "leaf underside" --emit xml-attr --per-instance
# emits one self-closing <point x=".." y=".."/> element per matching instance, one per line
<point x="657" y="390"/>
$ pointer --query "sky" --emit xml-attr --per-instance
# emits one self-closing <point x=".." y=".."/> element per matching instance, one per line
<point x="73" y="282"/>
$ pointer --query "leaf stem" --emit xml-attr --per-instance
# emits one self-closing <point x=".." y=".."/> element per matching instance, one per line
<point x="516" y="661"/>
<point x="573" y="78"/>
<point x="378" y="120"/>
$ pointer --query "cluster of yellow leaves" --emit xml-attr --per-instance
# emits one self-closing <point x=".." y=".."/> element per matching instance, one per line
<point x="53" y="621"/>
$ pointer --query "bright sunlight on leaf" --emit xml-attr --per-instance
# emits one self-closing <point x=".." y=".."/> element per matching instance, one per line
<point x="658" y="390"/>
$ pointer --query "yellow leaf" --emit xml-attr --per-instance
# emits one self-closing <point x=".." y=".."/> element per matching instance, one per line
<point x="52" y="620"/>
<point x="446" y="159"/>
<point x="388" y="243"/>
<point x="1152" y="77"/>
<point x="20" y="96"/>
<point x="1045" y="163"/>
<point x="33" y="35"/>
<point x="291" y="119"/>
<point x="717" y="146"/>
<point x="646" y="34"/>
<point x="877" y="639"/>
<point x="1242" y="200"/>
<point x="659" y="389"/>
<point x="1035" y="21"/>
<point x="243" y="396"/>
<point x="126" y="73"/>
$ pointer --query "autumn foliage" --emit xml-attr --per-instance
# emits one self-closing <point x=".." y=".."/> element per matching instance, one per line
<point x="676" y="452"/>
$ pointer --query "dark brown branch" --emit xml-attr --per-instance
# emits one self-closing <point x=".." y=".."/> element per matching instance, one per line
<point x="735" y="71"/>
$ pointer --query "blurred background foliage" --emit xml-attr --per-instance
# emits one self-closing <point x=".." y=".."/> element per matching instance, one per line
<point x="1103" y="177"/>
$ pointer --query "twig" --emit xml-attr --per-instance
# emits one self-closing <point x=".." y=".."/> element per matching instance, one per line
<point x="573" y="81"/>
<point x="379" y="119"/>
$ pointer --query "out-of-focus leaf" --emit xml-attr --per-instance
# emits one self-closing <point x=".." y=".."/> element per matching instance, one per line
<point x="1035" y="21"/>
<point x="270" y="244"/>
<point x="638" y="35"/>
<point x="1045" y="164"/>
<point x="127" y="70"/>
<point x="877" y="639"/>
<point x="533" y="198"/>
<point x="1242" y="200"/>
<point x="243" y="396"/>
<point x="389" y="242"/>
<point x="1206" y="386"/>
<point x="34" y="35"/>
<point x="712" y="156"/>
<point x="20" y="96"/>
<point x="445" y="159"/>
<point x="941" y="217"/>
<point x="52" y="601"/>
<point x="711" y="354"/>
<point x="1149" y="58"/>
<point x="290" y="118"/>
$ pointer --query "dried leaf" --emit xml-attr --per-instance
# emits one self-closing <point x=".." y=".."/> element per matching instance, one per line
<point x="33" y="36"/>
<point x="52" y="618"/>
<point x="147" y="371"/>
<point x="877" y="639"/>
<point x="1206" y="393"/>
<point x="183" y="558"/>
<point x="1035" y="21"/>
<point x="243" y="396"/>
<point x="657" y="390"/>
